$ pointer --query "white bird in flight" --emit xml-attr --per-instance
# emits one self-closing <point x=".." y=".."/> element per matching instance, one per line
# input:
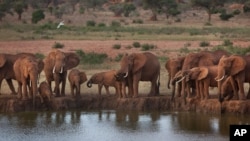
<point x="60" y="24"/>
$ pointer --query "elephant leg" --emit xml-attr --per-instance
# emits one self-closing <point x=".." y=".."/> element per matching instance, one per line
<point x="136" y="86"/>
<point x="24" y="88"/>
<point x="78" y="89"/>
<point x="63" y="83"/>
<point x="107" y="89"/>
<point x="19" y="92"/>
<point x="197" y="93"/>
<point x="130" y="86"/>
<point x="123" y="90"/>
<point x="0" y="85"/>
<point x="100" y="89"/>
<point x="11" y="86"/>
<point x="241" y="88"/>
<point x="72" y="89"/>
<point x="206" y="89"/>
<point x="173" y="92"/>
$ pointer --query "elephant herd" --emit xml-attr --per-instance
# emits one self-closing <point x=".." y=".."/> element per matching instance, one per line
<point x="193" y="74"/>
<point x="25" y="68"/>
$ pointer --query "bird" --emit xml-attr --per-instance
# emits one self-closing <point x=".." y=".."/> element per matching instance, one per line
<point x="60" y="24"/>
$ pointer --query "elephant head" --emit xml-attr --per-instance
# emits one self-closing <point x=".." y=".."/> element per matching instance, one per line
<point x="196" y="73"/>
<point x="230" y="66"/>
<point x="95" y="79"/>
<point x="173" y="66"/>
<point x="226" y="89"/>
<point x="61" y="61"/>
<point x="131" y="64"/>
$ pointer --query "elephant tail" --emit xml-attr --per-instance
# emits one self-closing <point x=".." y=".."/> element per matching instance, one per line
<point x="89" y="83"/>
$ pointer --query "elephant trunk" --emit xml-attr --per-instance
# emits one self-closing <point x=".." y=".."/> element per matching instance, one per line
<point x="219" y="78"/>
<point x="89" y="83"/>
<point x="56" y="69"/>
<point x="34" y="80"/>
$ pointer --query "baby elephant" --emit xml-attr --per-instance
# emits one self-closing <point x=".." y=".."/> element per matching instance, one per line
<point x="44" y="91"/>
<point x="105" y="79"/>
<point x="76" y="78"/>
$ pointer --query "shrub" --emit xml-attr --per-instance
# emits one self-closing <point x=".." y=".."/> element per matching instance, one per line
<point x="91" y="23"/>
<point x="58" y="45"/>
<point x="116" y="46"/>
<point x="37" y="16"/>
<point x="136" y="44"/>
<point x="204" y="44"/>
<point x="118" y="57"/>
<point x="225" y="16"/>
<point x="227" y="43"/>
<point x="91" y="58"/>
<point x="184" y="50"/>
<point x="128" y="8"/>
<point x="146" y="47"/>
<point x="101" y="25"/>
<point x="40" y="55"/>
<point x="115" y="24"/>
<point x="138" y="21"/>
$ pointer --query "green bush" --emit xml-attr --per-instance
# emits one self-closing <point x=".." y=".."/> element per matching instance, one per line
<point x="138" y="21"/>
<point x="184" y="50"/>
<point x="118" y="57"/>
<point x="58" y="45"/>
<point x="146" y="47"/>
<point x="91" y="23"/>
<point x="225" y="16"/>
<point x="40" y="55"/>
<point x="37" y="16"/>
<point x="91" y="58"/>
<point x="136" y="44"/>
<point x="116" y="46"/>
<point x="115" y="24"/>
<point x="128" y="8"/>
<point x="204" y="44"/>
<point x="227" y="42"/>
<point x="101" y="25"/>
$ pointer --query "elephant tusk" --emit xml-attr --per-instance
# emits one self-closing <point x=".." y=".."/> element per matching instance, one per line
<point x="126" y="75"/>
<point x="220" y="78"/>
<point x="54" y="69"/>
<point x="61" y="71"/>
<point x="180" y="79"/>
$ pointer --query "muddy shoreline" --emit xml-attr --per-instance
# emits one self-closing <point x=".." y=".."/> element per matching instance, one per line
<point x="93" y="102"/>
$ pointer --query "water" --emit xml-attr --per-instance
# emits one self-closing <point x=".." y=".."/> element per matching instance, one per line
<point x="116" y="126"/>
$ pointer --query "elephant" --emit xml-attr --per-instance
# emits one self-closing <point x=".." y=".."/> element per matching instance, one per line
<point x="44" y="91"/>
<point x="123" y="83"/>
<point x="76" y="78"/>
<point x="105" y="79"/>
<point x="56" y="64"/>
<point x="203" y="58"/>
<point x="140" y="67"/>
<point x="227" y="88"/>
<point x="27" y="71"/>
<point x="204" y="78"/>
<point x="173" y="66"/>
<point x="6" y="68"/>
<point x="238" y="68"/>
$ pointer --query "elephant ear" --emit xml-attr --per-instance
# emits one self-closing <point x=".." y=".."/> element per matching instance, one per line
<point x="238" y="64"/>
<point x="139" y="61"/>
<point x="203" y="73"/>
<point x="83" y="76"/>
<point x="40" y="65"/>
<point x="2" y="60"/>
<point x="71" y="61"/>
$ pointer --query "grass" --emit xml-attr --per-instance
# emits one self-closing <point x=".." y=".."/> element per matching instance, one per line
<point x="145" y="32"/>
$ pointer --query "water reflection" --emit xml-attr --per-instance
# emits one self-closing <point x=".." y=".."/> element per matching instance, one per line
<point x="116" y="125"/>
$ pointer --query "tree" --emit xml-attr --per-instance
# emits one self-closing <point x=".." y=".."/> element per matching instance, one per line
<point x="209" y="5"/>
<point x="161" y="6"/>
<point x="5" y="7"/>
<point x="37" y="16"/>
<point x="19" y="7"/>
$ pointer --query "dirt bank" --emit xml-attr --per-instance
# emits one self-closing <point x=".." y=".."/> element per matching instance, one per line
<point x="94" y="102"/>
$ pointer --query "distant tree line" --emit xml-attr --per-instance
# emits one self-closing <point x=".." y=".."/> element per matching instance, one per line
<point x="167" y="7"/>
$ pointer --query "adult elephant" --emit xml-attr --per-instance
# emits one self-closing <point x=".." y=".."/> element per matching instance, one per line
<point x="238" y="68"/>
<point x="6" y="68"/>
<point x="173" y="66"/>
<point x="203" y="58"/>
<point x="140" y="67"/>
<point x="56" y="65"/>
<point x="204" y="78"/>
<point x="27" y="70"/>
